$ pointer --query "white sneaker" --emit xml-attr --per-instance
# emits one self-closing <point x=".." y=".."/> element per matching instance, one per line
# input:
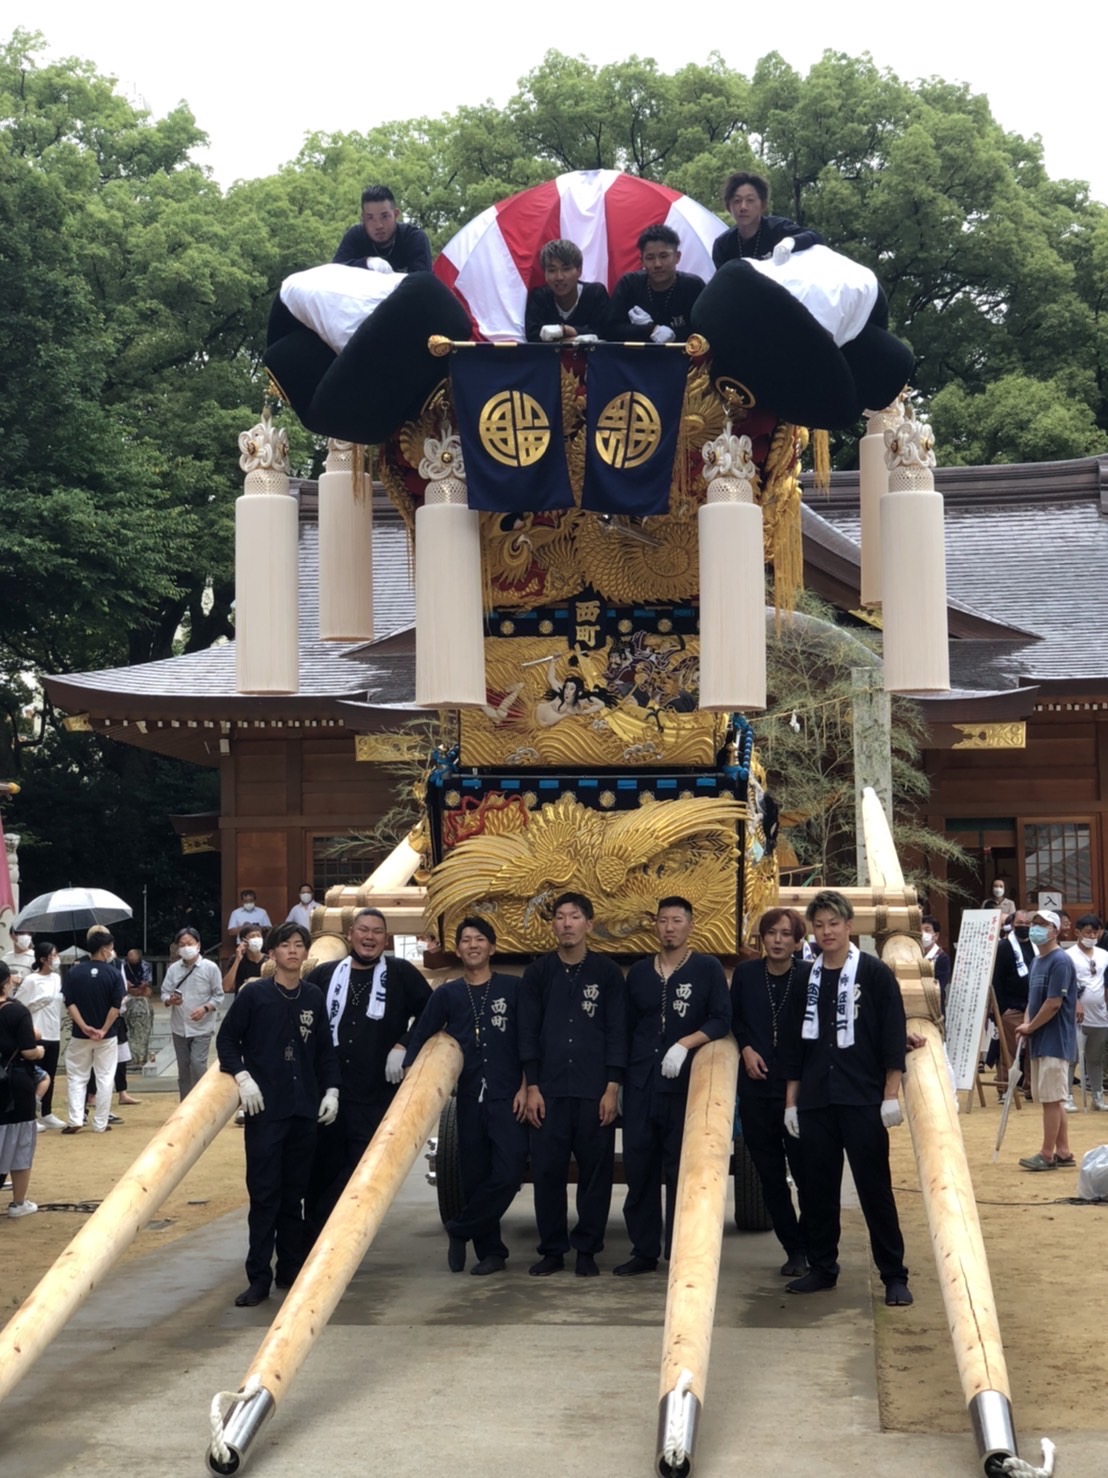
<point x="39" y="1127"/>
<point x="1069" y="1105"/>
<point x="1098" y="1103"/>
<point x="22" y="1208"/>
<point x="51" y="1121"/>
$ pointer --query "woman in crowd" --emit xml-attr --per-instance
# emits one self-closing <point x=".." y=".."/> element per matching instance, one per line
<point x="18" y="1050"/>
<point x="41" y="992"/>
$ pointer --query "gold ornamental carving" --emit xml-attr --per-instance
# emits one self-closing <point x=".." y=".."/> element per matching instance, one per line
<point x="514" y="429"/>
<point x="628" y="431"/>
<point x="387" y="749"/>
<point x="992" y="736"/>
<point x="625" y="861"/>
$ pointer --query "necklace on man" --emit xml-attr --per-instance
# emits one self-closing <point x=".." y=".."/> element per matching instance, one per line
<point x="656" y="315"/>
<point x="665" y="977"/>
<point x="742" y="244"/>
<point x="478" y="1017"/>
<point x="775" y="1006"/>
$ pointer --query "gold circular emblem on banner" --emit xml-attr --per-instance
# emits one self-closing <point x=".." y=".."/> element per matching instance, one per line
<point x="513" y="428"/>
<point x="628" y="431"/>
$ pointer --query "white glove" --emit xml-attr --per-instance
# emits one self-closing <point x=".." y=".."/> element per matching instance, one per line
<point x="639" y="316"/>
<point x="792" y="1122"/>
<point x="674" y="1061"/>
<point x="250" y="1095"/>
<point x="586" y="339"/>
<point x="378" y="264"/>
<point x="329" y="1108"/>
<point x="662" y="335"/>
<point x="550" y="333"/>
<point x="394" y="1065"/>
<point x="890" y="1113"/>
<point x="783" y="251"/>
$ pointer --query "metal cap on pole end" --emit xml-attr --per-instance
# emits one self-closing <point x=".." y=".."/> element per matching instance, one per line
<point x="243" y="1424"/>
<point x="678" y="1422"/>
<point x="991" y="1417"/>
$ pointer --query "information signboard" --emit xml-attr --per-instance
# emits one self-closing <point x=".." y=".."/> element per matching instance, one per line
<point x="967" y="996"/>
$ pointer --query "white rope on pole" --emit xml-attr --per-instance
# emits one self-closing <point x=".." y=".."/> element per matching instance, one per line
<point x="222" y="1402"/>
<point x="1020" y="1469"/>
<point x="673" y="1451"/>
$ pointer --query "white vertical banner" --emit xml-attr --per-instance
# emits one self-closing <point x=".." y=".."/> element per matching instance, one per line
<point x="967" y="996"/>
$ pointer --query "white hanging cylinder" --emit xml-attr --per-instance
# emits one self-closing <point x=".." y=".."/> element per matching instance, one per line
<point x="267" y="603"/>
<point x="345" y="550"/>
<point x="450" y="636"/>
<point x="913" y="560"/>
<point x="732" y="599"/>
<point x="873" y="484"/>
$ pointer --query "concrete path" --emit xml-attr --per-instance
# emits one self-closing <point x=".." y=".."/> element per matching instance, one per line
<point x="423" y="1372"/>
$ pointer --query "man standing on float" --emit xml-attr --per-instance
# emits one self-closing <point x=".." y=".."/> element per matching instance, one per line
<point x="676" y="1002"/>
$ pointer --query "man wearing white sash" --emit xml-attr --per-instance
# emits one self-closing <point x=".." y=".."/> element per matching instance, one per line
<point x="843" y="1057"/>
<point x="372" y="1000"/>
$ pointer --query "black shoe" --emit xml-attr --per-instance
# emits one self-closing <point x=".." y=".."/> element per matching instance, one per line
<point x="73" y="1129"/>
<point x="488" y="1265"/>
<point x="897" y="1294"/>
<point x="812" y="1282"/>
<point x="586" y="1266"/>
<point x="635" y="1265"/>
<point x="257" y="1293"/>
<point x="553" y="1262"/>
<point x="456" y="1255"/>
<point x="794" y="1266"/>
<point x="284" y="1281"/>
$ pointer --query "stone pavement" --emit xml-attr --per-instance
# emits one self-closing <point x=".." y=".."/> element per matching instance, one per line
<point x="424" y="1372"/>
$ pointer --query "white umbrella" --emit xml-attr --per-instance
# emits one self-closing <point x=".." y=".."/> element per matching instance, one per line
<point x="70" y="909"/>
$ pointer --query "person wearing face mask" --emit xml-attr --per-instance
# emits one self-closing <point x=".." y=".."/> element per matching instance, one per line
<point x="19" y="959"/>
<point x="1011" y="976"/>
<point x="138" y="977"/>
<point x="999" y="898"/>
<point x="1049" y="1030"/>
<point x="933" y="951"/>
<point x="41" y="992"/>
<point x="373" y="1000"/>
<point x="1090" y="963"/>
<point x="93" y="994"/>
<point x="301" y="912"/>
<point x="247" y="961"/>
<point x="249" y="911"/>
<point x="192" y="989"/>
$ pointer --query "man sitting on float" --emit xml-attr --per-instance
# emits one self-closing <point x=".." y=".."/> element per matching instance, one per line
<point x="654" y="305"/>
<point x="566" y="308"/>
<point x="756" y="235"/>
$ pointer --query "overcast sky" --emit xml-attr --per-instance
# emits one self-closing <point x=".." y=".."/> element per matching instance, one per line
<point x="258" y="78"/>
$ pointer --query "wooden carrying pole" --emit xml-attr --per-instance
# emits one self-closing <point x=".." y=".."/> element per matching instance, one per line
<point x="694" y="1261"/>
<point x="113" y="1226"/>
<point x="948" y="1196"/>
<point x="339" y="1250"/>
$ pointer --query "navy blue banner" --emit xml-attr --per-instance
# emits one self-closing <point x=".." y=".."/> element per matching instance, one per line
<point x="633" y="418"/>
<point x="508" y="403"/>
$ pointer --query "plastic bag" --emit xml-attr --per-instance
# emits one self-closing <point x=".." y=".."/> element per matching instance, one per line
<point x="1092" y="1178"/>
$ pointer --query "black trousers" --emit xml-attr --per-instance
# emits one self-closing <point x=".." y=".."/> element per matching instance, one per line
<point x="49" y="1064"/>
<point x="278" y="1164"/>
<point x="774" y="1154"/>
<point x="492" y="1146"/>
<point x="856" y="1131"/>
<point x="572" y="1127"/>
<point x="653" y="1127"/>
<point x="338" y="1150"/>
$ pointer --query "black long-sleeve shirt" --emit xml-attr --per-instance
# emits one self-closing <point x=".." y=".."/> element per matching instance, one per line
<point x="282" y="1039"/>
<point x="1010" y="986"/>
<point x="696" y="1000"/>
<point x="587" y="317"/>
<point x="484" y="1021"/>
<point x="573" y="1025"/>
<point x="669" y="309"/>
<point x="772" y="230"/>
<point x="408" y="251"/>
<point x="829" y="1074"/>
<point x="364" y="1043"/>
<point x="757" y="996"/>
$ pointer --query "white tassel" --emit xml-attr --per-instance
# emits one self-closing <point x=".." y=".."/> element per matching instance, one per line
<point x="267" y="529"/>
<point x="450" y="636"/>
<point x="345" y="551"/>
<point x="913" y="566"/>
<point x="732" y="581"/>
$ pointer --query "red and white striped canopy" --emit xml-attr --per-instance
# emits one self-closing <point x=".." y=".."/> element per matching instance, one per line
<point x="493" y="261"/>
